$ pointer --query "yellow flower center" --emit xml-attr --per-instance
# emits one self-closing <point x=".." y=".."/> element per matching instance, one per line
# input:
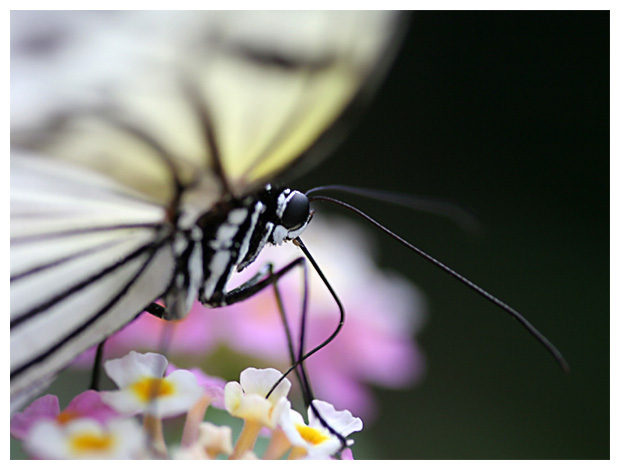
<point x="311" y="435"/>
<point x="150" y="387"/>
<point x="90" y="442"/>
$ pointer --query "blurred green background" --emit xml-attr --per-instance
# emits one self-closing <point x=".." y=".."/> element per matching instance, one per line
<point x="507" y="114"/>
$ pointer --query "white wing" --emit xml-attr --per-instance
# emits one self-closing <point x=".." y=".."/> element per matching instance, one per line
<point x="86" y="256"/>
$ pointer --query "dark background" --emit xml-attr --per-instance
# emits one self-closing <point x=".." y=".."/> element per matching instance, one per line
<point x="507" y="114"/>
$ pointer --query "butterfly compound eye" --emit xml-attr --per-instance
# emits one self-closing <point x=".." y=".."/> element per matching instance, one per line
<point x="297" y="211"/>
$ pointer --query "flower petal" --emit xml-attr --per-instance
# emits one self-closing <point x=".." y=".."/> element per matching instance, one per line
<point x="44" y="408"/>
<point x="261" y="381"/>
<point x="89" y="404"/>
<point x="124" y="371"/>
<point x="232" y="396"/>
<point x="342" y="422"/>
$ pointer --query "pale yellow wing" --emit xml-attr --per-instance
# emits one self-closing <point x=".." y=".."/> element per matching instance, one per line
<point x="278" y="80"/>
<point x="147" y="97"/>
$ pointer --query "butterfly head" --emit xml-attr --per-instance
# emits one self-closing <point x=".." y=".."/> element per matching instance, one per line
<point x="292" y="215"/>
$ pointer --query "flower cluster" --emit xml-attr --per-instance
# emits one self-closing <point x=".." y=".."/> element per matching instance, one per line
<point x="104" y="425"/>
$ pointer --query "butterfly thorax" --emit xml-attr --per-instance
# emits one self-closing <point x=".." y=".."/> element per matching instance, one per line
<point x="229" y="237"/>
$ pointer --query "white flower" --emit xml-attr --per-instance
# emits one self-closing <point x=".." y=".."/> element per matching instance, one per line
<point x="313" y="440"/>
<point x="86" y="438"/>
<point x="247" y="398"/>
<point x="144" y="389"/>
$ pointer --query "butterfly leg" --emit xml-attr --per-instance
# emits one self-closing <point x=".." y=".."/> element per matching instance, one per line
<point x="297" y="364"/>
<point x="96" y="374"/>
<point x="157" y="310"/>
<point x="264" y="278"/>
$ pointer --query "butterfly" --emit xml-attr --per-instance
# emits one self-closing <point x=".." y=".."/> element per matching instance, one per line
<point x="143" y="145"/>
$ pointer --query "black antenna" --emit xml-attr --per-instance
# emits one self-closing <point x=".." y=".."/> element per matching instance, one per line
<point x="464" y="218"/>
<point x="479" y="290"/>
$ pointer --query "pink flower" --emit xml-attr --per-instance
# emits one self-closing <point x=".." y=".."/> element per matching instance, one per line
<point x="86" y="405"/>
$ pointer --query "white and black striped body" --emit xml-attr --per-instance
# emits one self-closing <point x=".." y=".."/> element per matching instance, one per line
<point x="229" y="237"/>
